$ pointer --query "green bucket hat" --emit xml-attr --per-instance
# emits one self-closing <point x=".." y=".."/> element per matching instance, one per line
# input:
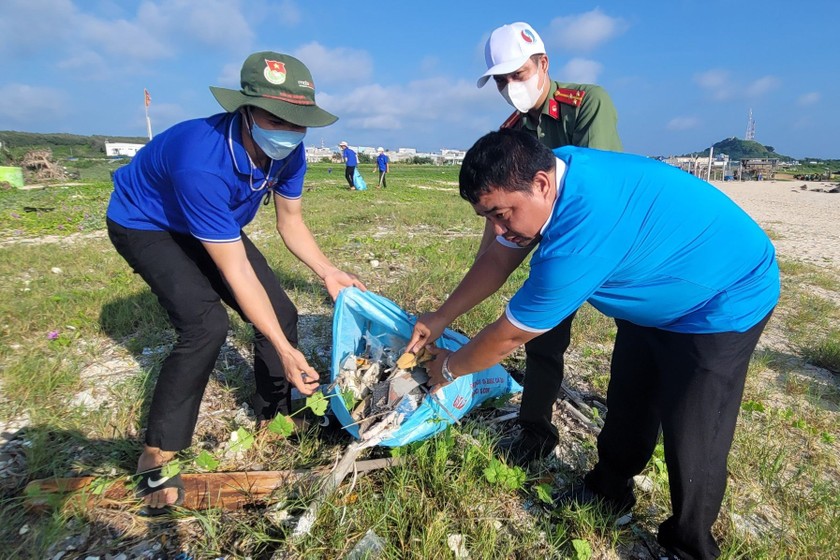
<point x="280" y="84"/>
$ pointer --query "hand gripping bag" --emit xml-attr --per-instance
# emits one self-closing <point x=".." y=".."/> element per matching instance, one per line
<point x="364" y="320"/>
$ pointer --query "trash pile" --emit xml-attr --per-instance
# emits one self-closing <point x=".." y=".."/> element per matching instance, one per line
<point x="389" y="405"/>
<point x="386" y="390"/>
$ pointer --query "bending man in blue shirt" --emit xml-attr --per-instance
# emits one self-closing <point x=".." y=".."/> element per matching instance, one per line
<point x="176" y="216"/>
<point x="690" y="279"/>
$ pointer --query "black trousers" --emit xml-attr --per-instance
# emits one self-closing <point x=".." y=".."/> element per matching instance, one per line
<point x="348" y="174"/>
<point x="191" y="289"/>
<point x="543" y="377"/>
<point x="690" y="385"/>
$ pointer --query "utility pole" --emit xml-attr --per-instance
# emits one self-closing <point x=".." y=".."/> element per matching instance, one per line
<point x="709" y="169"/>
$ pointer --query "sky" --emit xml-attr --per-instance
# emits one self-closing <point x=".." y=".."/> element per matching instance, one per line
<point x="683" y="74"/>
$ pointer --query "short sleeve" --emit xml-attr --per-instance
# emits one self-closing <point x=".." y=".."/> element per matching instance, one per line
<point x="555" y="288"/>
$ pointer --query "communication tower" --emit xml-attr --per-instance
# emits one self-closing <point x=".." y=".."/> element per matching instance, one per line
<point x="750" y="135"/>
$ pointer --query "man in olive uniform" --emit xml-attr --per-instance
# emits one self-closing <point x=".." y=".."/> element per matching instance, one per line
<point x="558" y="114"/>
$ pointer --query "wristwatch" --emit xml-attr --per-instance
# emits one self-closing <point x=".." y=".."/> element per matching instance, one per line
<point x="444" y="370"/>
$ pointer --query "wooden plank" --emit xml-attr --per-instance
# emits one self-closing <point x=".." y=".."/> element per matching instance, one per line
<point x="229" y="490"/>
<point x="226" y="490"/>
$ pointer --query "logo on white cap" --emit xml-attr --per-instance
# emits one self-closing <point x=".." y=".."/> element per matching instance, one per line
<point x="508" y="48"/>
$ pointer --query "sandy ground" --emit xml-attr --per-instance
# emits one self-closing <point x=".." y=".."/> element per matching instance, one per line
<point x="804" y="223"/>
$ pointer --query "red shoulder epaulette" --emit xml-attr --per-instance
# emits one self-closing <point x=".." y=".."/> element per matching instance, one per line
<point x="512" y="120"/>
<point x="573" y="97"/>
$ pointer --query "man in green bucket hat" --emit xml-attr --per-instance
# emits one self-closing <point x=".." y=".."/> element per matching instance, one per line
<point x="176" y="216"/>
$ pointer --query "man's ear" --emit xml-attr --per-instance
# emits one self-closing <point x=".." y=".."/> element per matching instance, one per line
<point x="542" y="183"/>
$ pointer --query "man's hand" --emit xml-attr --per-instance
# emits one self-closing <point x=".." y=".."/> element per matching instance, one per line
<point x="428" y="328"/>
<point x="336" y="280"/>
<point x="299" y="373"/>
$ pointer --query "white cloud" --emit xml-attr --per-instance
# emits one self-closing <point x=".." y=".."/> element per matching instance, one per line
<point x="583" y="32"/>
<point x="286" y="13"/>
<point x="580" y="70"/>
<point x="417" y="104"/>
<point x="716" y="82"/>
<point x="154" y="32"/>
<point x="809" y="98"/>
<point x="213" y="22"/>
<point x="21" y="104"/>
<point x="121" y="39"/>
<point x="230" y="76"/>
<point x="762" y="85"/>
<point x="683" y="123"/>
<point x="332" y="66"/>
<point x="721" y="86"/>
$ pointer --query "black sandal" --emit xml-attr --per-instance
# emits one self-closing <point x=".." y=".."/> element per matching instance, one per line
<point x="151" y="481"/>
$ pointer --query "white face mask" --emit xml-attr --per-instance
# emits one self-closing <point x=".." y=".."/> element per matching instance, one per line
<point x="523" y="95"/>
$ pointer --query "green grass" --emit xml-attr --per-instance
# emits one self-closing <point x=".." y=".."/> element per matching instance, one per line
<point x="72" y="304"/>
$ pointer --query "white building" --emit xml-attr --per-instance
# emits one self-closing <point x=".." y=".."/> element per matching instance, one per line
<point x="121" y="149"/>
<point x="314" y="155"/>
<point x="452" y="157"/>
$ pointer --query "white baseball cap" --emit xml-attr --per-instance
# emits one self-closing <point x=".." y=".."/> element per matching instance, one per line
<point x="342" y="143"/>
<point x="508" y="48"/>
<point x="380" y="149"/>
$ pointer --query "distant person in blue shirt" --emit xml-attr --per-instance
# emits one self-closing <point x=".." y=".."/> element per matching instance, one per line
<point x="384" y="166"/>
<point x="690" y="279"/>
<point x="350" y="163"/>
<point x="177" y="215"/>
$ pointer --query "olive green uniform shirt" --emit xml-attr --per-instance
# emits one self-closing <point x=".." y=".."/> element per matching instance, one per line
<point x="590" y="125"/>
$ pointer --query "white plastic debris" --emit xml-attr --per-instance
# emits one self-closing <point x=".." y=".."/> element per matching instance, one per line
<point x="369" y="547"/>
<point x="458" y="545"/>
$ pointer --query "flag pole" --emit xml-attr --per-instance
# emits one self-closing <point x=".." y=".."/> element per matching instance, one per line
<point x="147" y="100"/>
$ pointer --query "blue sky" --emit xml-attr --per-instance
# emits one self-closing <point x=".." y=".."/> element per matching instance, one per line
<point x="683" y="73"/>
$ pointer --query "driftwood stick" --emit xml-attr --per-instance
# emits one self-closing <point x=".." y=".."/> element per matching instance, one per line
<point x="580" y="417"/>
<point x="327" y="486"/>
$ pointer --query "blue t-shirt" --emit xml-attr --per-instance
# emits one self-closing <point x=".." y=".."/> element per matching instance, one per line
<point x="382" y="160"/>
<point x="349" y="157"/>
<point x="196" y="178"/>
<point x="643" y="241"/>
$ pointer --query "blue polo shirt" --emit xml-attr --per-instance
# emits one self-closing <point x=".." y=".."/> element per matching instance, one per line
<point x="643" y="241"/>
<point x="382" y="160"/>
<point x="196" y="178"/>
<point x="349" y="157"/>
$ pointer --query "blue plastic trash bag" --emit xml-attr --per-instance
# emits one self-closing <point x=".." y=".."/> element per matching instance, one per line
<point x="364" y="321"/>
<point x="358" y="181"/>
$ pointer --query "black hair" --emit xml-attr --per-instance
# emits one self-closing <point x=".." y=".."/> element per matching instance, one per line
<point x="506" y="159"/>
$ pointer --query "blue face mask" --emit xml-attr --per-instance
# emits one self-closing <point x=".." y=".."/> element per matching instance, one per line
<point x="277" y="144"/>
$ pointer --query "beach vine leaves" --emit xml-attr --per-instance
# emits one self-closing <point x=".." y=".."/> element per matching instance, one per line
<point x="543" y="492"/>
<point x="583" y="551"/>
<point x="317" y="403"/>
<point x="206" y="461"/>
<point x="510" y="478"/>
<point x="241" y="440"/>
<point x="281" y="425"/>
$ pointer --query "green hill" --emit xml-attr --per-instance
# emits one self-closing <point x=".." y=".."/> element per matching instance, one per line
<point x="737" y="149"/>
<point x="16" y="144"/>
